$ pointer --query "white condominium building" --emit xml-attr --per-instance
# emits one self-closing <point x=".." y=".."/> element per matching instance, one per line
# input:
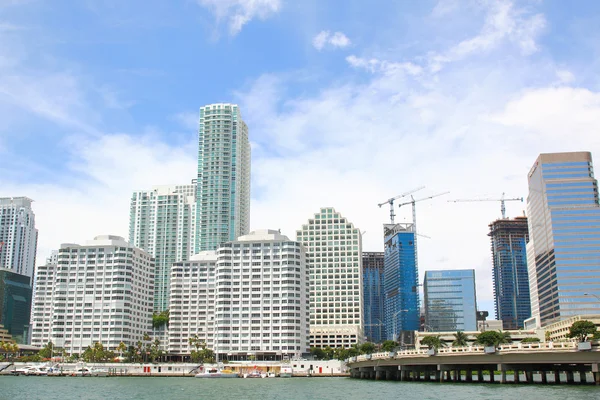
<point x="223" y="200"/>
<point x="98" y="292"/>
<point x="334" y="252"/>
<point x="18" y="235"/>
<point x="163" y="222"/>
<point x="192" y="304"/>
<point x="262" y="297"/>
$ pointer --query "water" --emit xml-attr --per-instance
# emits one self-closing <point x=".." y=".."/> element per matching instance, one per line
<point x="155" y="388"/>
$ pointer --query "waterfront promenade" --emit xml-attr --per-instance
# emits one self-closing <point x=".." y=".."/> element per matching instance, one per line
<point x="527" y="363"/>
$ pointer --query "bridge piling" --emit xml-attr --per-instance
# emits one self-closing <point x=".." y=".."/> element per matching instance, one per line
<point x="556" y="376"/>
<point x="582" y="377"/>
<point x="516" y="375"/>
<point x="529" y="376"/>
<point x="570" y="378"/>
<point x="596" y="373"/>
<point x="492" y="375"/>
<point x="479" y="375"/>
<point x="469" y="376"/>
<point x="544" y="377"/>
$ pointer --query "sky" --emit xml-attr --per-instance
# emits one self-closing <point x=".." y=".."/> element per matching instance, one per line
<point x="348" y="103"/>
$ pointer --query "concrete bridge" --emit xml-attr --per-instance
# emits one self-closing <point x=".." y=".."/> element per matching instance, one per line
<point x="523" y="362"/>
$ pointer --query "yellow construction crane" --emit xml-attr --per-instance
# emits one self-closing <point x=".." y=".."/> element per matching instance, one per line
<point x="502" y="201"/>
<point x="391" y="201"/>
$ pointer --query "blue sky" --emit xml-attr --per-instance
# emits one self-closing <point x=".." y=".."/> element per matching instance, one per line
<point x="348" y="103"/>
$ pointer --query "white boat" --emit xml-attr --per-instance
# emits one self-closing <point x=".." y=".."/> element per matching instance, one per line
<point x="37" y="371"/>
<point x="83" y="370"/>
<point x="255" y="373"/>
<point x="22" y="371"/>
<point x="215" y="372"/>
<point x="285" y="372"/>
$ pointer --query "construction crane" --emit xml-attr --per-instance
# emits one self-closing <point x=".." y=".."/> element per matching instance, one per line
<point x="414" y="208"/>
<point x="502" y="201"/>
<point x="391" y="201"/>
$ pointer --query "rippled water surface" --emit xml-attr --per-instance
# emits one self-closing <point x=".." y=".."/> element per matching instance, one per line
<point x="69" y="388"/>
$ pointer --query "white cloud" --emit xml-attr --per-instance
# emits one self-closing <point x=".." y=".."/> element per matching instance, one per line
<point x="240" y="12"/>
<point x="325" y="38"/>
<point x="503" y="22"/>
<point x="375" y="65"/>
<point x="564" y="76"/>
<point x="188" y="120"/>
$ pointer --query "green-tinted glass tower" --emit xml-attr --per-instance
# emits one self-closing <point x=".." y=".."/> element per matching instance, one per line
<point x="223" y="197"/>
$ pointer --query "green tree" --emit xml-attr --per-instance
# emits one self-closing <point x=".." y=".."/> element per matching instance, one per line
<point x="582" y="329"/>
<point x="329" y="353"/>
<point x="201" y="353"/>
<point x="160" y="319"/>
<point x="47" y="351"/>
<point x="389" y="345"/>
<point x="155" y="350"/>
<point x="318" y="353"/>
<point x="530" y="339"/>
<point x="433" y="342"/>
<point x="493" y="338"/>
<point x="367" y="348"/>
<point x="460" y="339"/>
<point x="121" y="348"/>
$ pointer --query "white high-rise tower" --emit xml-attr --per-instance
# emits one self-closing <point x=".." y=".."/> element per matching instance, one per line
<point x="18" y="235"/>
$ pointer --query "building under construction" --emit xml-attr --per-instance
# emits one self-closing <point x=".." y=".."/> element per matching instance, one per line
<point x="511" y="283"/>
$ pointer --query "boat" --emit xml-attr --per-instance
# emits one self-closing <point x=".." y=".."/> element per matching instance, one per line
<point x="216" y="372"/>
<point x="271" y="375"/>
<point x="285" y="372"/>
<point x="22" y="371"/>
<point x="255" y="373"/>
<point x="83" y="370"/>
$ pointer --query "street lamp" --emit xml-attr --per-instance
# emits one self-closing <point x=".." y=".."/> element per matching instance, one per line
<point x="591" y="294"/>
<point x="394" y="320"/>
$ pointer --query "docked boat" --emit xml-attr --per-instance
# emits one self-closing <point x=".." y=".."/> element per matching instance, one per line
<point x="255" y="373"/>
<point x="83" y="370"/>
<point x="285" y="372"/>
<point x="215" y="372"/>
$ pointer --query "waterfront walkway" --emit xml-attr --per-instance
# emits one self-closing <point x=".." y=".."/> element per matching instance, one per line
<point x="528" y="363"/>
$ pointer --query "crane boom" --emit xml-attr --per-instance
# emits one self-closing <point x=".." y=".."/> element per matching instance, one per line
<point x="391" y="201"/>
<point x="502" y="201"/>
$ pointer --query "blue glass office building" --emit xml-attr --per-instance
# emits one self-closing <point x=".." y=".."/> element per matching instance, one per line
<point x="564" y="233"/>
<point x="509" y="238"/>
<point x="15" y="304"/>
<point x="450" y="301"/>
<point x="373" y="296"/>
<point x="401" y="277"/>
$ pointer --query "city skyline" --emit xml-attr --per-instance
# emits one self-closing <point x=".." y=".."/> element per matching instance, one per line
<point x="465" y="113"/>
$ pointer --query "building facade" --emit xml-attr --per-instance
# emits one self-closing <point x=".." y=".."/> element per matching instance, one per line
<point x="509" y="239"/>
<point x="373" y="296"/>
<point x="223" y="196"/>
<point x="15" y="304"/>
<point x="450" y="301"/>
<point x="334" y="249"/>
<point x="262" y="307"/>
<point x="18" y="235"/>
<point x="192" y="304"/>
<point x="162" y="221"/>
<point x="401" y="281"/>
<point x="98" y="292"/>
<point x="564" y="232"/>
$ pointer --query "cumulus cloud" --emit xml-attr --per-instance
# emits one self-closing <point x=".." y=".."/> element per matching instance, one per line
<point x="240" y="12"/>
<point x="375" y="65"/>
<point x="327" y="39"/>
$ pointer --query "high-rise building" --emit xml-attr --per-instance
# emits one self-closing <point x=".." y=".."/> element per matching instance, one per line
<point x="15" y="304"/>
<point x="450" y="300"/>
<point x="223" y="199"/>
<point x="564" y="233"/>
<point x="509" y="239"/>
<point x="98" y="292"/>
<point x="18" y="235"/>
<point x="334" y="249"/>
<point x="261" y="294"/>
<point x="192" y="305"/>
<point x="401" y="281"/>
<point x="373" y="296"/>
<point x="162" y="221"/>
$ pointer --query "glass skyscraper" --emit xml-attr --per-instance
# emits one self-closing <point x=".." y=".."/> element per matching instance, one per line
<point x="15" y="304"/>
<point x="564" y="232"/>
<point x="509" y="238"/>
<point x="401" y="279"/>
<point x="373" y="296"/>
<point x="450" y="301"/>
<point x="18" y="235"/>
<point x="223" y="199"/>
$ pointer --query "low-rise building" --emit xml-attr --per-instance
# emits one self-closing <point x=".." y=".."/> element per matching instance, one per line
<point x="559" y="330"/>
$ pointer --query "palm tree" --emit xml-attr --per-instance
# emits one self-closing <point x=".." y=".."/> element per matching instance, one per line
<point x="460" y="339"/>
<point x="121" y="347"/>
<point x="433" y="342"/>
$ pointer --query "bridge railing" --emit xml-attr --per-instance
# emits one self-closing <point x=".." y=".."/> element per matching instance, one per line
<point x="504" y="348"/>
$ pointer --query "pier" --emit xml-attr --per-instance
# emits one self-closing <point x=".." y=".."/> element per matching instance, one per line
<point x="540" y="363"/>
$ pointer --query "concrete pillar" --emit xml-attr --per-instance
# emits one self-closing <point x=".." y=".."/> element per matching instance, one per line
<point x="480" y="375"/>
<point x="469" y="377"/>
<point x="378" y="375"/>
<point x="570" y="378"/>
<point x="596" y="373"/>
<point x="502" y="375"/>
<point x="491" y="376"/>
<point x="556" y="376"/>
<point x="582" y="377"/>
<point x="517" y="376"/>
<point x="448" y="378"/>
<point x="529" y="376"/>
<point x="454" y="375"/>
<point x="459" y="375"/>
<point x="544" y="377"/>
<point x="363" y="374"/>
<point x="427" y="375"/>
<point x="439" y="377"/>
